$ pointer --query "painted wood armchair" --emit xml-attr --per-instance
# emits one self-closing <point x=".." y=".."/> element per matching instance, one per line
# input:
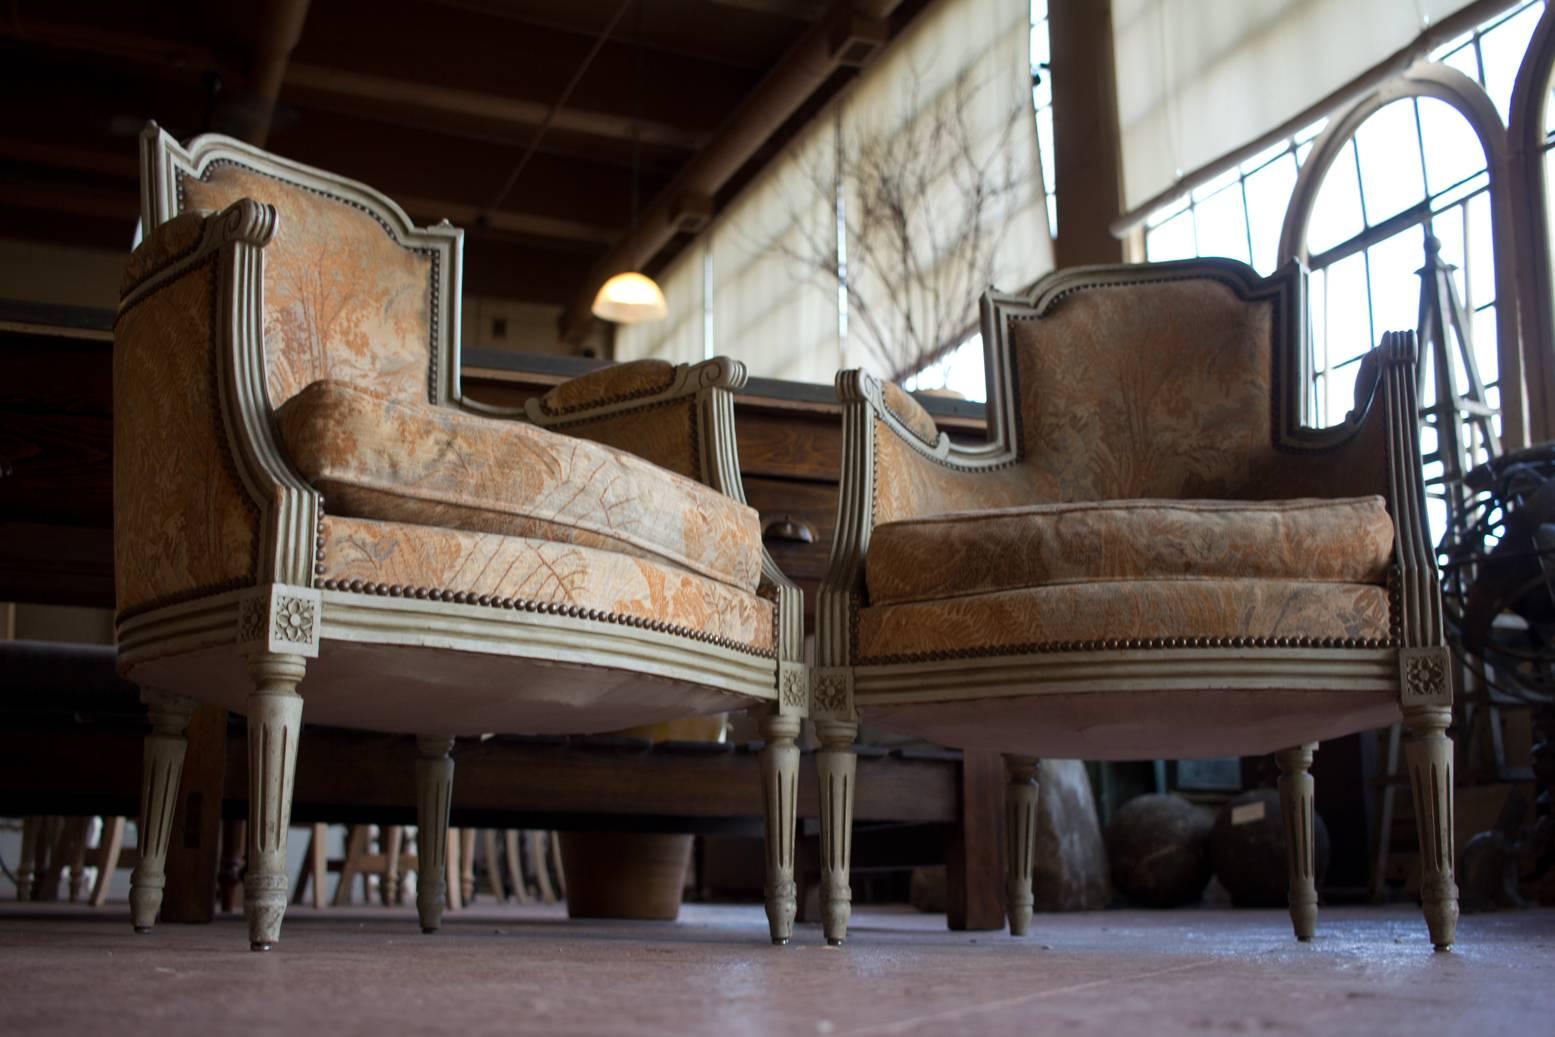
<point x="1150" y="558"/>
<point x="307" y="510"/>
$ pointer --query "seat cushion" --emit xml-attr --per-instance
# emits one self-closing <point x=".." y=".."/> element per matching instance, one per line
<point x="380" y="458"/>
<point x="1348" y="540"/>
<point x="406" y="560"/>
<point x="1089" y="615"/>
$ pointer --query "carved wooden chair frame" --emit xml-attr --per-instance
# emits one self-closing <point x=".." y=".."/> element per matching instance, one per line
<point x="277" y="621"/>
<point x="1413" y="662"/>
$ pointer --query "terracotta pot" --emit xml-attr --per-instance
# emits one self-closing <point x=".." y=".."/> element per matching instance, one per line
<point x="624" y="874"/>
<point x="633" y="874"/>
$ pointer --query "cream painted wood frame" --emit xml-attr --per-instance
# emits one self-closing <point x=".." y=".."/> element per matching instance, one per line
<point x="433" y="662"/>
<point x="1412" y="664"/>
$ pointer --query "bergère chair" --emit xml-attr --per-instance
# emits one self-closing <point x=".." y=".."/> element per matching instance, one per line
<point x="307" y="509"/>
<point x="1151" y="557"/>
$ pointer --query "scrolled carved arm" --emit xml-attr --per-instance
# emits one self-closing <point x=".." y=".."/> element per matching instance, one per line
<point x="679" y="417"/>
<point x="203" y="500"/>
<point x="892" y="470"/>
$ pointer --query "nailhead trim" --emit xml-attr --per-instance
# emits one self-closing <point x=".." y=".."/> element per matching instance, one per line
<point x="1136" y="643"/>
<point x="606" y="401"/>
<point x="550" y="608"/>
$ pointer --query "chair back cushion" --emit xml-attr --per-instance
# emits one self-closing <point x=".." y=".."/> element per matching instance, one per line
<point x="1147" y="390"/>
<point x="343" y="299"/>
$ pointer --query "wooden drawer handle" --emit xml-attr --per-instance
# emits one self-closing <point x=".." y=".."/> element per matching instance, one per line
<point x="788" y="530"/>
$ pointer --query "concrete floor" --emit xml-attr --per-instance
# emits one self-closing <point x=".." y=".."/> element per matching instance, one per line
<point x="66" y="969"/>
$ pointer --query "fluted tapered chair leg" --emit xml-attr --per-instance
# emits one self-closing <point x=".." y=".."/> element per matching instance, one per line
<point x="836" y="764"/>
<point x="1020" y="833"/>
<point x="780" y="793"/>
<point x="434" y="796"/>
<point x="274" y="725"/>
<point x="1430" y="777"/>
<point x="163" y="765"/>
<point x="1300" y="849"/>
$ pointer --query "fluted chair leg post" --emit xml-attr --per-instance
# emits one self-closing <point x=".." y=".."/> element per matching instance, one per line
<point x="836" y="765"/>
<point x="1020" y="834"/>
<point x="162" y="766"/>
<point x="1430" y="777"/>
<point x="434" y="796"/>
<point x="1300" y="847"/>
<point x="274" y="725"/>
<point x="780" y="792"/>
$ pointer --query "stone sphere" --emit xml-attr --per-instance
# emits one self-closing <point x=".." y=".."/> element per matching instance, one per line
<point x="1248" y="848"/>
<point x="1158" y="847"/>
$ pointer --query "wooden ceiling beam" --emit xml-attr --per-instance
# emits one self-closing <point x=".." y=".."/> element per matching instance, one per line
<point x="305" y="81"/>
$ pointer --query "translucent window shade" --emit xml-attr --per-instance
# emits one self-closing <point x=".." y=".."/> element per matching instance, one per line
<point x="1389" y="147"/>
<point x="1198" y="79"/>
<point x="678" y="337"/>
<point x="774" y="302"/>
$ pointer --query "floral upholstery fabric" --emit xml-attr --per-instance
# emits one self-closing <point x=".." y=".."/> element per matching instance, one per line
<point x="170" y="242"/>
<point x="181" y="522"/>
<point x="1343" y="541"/>
<point x="1172" y="399"/>
<point x="1016" y="620"/>
<point x="343" y="299"/>
<point x="376" y="457"/>
<point x="909" y="412"/>
<point x="609" y="384"/>
<point x="909" y="485"/>
<point x="495" y="567"/>
<point x="663" y="433"/>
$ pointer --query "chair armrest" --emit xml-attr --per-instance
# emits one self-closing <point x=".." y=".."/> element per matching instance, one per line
<point x="1380" y="455"/>
<point x="195" y="466"/>
<point x="679" y="417"/>
<point x="893" y="469"/>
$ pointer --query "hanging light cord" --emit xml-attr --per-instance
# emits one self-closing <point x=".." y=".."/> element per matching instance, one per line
<point x="637" y="109"/>
<point x="561" y="103"/>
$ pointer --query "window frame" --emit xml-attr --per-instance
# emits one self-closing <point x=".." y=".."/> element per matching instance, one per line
<point x="1433" y="80"/>
<point x="1530" y="205"/>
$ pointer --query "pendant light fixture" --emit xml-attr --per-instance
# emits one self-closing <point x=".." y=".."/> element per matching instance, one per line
<point x="632" y="297"/>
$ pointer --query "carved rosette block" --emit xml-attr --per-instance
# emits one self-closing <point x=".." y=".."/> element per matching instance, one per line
<point x="162" y="765"/>
<point x="434" y="798"/>
<point x="831" y="693"/>
<point x="836" y="766"/>
<point x="282" y="619"/>
<point x="1423" y="677"/>
<point x="780" y="792"/>
<point x="1296" y="807"/>
<point x="1430" y="778"/>
<point x="793" y="689"/>
<point x="274" y="724"/>
<point x="1020" y="835"/>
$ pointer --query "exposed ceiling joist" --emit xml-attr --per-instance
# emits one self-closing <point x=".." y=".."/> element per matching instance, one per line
<point x="309" y="79"/>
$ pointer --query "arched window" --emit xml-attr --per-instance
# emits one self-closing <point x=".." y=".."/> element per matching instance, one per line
<point x="1532" y="139"/>
<point x="1424" y="154"/>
